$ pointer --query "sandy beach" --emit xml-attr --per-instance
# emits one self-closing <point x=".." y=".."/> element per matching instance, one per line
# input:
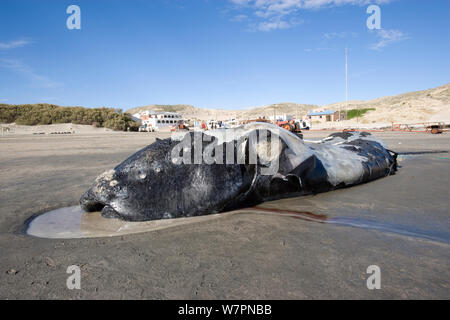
<point x="254" y="254"/>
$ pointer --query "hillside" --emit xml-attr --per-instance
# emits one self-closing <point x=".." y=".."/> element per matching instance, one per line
<point x="183" y="108"/>
<point x="191" y="112"/>
<point x="294" y="109"/>
<point x="419" y="106"/>
<point x="427" y="105"/>
<point x="188" y="111"/>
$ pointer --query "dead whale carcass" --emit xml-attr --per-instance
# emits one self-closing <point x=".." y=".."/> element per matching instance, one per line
<point x="204" y="173"/>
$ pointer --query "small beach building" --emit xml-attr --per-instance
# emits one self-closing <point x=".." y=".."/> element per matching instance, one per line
<point x="323" y="115"/>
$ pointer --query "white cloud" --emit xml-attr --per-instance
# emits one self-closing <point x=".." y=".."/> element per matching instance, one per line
<point x="27" y="72"/>
<point x="267" y="8"/>
<point x="239" y="18"/>
<point x="340" y="35"/>
<point x="273" y="25"/>
<point x="319" y="49"/>
<point x="274" y="13"/>
<point x="13" y="44"/>
<point x="388" y="37"/>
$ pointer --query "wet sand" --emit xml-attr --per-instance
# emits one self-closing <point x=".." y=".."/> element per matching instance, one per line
<point x="257" y="253"/>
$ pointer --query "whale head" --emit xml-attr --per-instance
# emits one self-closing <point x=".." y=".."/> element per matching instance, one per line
<point x="151" y="185"/>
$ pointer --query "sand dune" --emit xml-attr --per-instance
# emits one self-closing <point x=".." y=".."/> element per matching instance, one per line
<point x="60" y="128"/>
<point x="418" y="106"/>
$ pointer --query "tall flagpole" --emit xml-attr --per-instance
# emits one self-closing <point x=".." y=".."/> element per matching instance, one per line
<point x="346" y="80"/>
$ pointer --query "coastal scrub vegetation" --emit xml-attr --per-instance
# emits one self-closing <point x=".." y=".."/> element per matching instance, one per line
<point x="358" y="112"/>
<point x="42" y="113"/>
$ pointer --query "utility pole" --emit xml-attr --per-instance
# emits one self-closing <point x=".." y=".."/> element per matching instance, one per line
<point x="346" y="81"/>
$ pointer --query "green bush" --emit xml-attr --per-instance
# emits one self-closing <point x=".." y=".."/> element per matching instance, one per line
<point x="34" y="114"/>
<point x="357" y="112"/>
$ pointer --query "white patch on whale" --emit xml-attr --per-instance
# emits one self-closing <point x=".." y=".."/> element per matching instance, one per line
<point x="113" y="183"/>
<point x="107" y="175"/>
<point x="342" y="165"/>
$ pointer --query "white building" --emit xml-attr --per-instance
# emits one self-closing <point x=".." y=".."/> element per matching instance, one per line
<point x="156" y="120"/>
<point x="281" y="117"/>
<point x="323" y="115"/>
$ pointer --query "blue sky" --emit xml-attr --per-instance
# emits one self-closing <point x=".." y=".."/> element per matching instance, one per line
<point x="219" y="53"/>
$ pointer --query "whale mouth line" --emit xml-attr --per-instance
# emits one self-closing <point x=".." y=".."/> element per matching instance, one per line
<point x="110" y="213"/>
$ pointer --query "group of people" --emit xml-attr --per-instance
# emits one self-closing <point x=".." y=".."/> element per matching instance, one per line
<point x="213" y="126"/>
